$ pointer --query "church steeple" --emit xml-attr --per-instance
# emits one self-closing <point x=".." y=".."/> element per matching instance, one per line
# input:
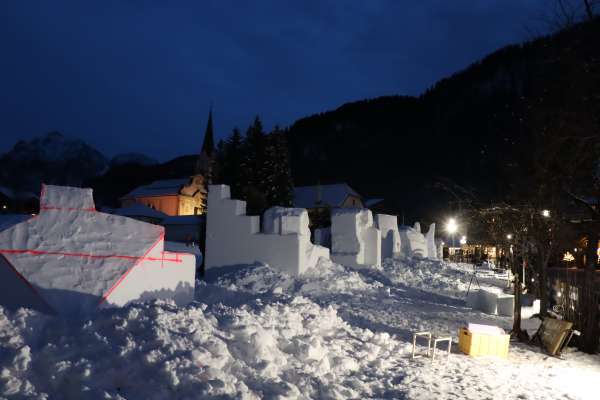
<point x="207" y="152"/>
<point x="208" y="145"/>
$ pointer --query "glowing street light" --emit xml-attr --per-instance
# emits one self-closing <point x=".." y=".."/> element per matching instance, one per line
<point x="463" y="240"/>
<point x="509" y="236"/>
<point x="546" y="213"/>
<point x="451" y="226"/>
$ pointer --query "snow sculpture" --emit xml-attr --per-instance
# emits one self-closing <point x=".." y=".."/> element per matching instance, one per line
<point x="413" y="241"/>
<point x="323" y="236"/>
<point x="72" y="259"/>
<point x="390" y="235"/>
<point x="354" y="239"/>
<point x="439" y="243"/>
<point x="233" y="238"/>
<point x="430" y="239"/>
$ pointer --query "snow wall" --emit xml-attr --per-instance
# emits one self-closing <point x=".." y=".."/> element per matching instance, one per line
<point x="71" y="259"/>
<point x="234" y="238"/>
<point x="355" y="241"/>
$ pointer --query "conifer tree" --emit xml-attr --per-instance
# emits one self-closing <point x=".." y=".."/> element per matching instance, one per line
<point x="281" y="186"/>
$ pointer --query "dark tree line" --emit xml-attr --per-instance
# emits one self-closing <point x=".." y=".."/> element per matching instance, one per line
<point x="553" y="164"/>
<point x="256" y="167"/>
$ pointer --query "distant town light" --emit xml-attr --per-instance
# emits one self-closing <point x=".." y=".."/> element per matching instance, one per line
<point x="546" y="213"/>
<point x="451" y="226"/>
<point x="568" y="257"/>
<point x="509" y="236"/>
<point x="4" y="206"/>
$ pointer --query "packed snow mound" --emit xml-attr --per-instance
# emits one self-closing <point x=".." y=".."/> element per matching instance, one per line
<point x="281" y="350"/>
<point x="429" y="275"/>
<point x="336" y="332"/>
<point x="325" y="279"/>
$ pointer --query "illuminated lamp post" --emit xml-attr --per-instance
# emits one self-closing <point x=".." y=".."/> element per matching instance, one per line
<point x="451" y="228"/>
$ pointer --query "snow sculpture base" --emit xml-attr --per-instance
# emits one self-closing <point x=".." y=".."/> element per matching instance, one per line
<point x="354" y="239"/>
<point x="72" y="259"/>
<point x="492" y="302"/>
<point x="233" y="238"/>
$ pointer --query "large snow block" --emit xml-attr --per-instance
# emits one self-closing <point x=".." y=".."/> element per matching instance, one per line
<point x="355" y="241"/>
<point x="413" y="241"/>
<point x="72" y="259"/>
<point x="492" y="302"/>
<point x="285" y="221"/>
<point x="391" y="246"/>
<point x="430" y="241"/>
<point x="233" y="238"/>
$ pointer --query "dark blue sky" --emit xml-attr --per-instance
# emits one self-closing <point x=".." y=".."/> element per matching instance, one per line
<point x="139" y="75"/>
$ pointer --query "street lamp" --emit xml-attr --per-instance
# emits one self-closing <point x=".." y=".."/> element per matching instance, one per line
<point x="509" y="236"/>
<point x="546" y="213"/>
<point x="463" y="240"/>
<point x="451" y="228"/>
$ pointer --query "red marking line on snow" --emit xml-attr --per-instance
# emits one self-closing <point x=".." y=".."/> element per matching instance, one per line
<point x="52" y="208"/>
<point x="108" y="293"/>
<point x="88" y="255"/>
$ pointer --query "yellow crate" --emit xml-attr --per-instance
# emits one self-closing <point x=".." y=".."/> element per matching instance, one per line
<point x="477" y="344"/>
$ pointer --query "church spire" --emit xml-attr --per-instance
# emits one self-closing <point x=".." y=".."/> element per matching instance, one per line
<point x="206" y="157"/>
<point x="208" y="146"/>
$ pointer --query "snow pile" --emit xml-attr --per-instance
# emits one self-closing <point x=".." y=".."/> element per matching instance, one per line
<point x="335" y="332"/>
<point x="155" y="351"/>
<point x="428" y="275"/>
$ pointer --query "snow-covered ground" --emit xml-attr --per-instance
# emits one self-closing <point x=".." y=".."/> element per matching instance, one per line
<point x="334" y="333"/>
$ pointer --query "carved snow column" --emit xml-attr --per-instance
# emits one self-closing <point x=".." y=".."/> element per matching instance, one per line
<point x="430" y="239"/>
<point x="391" y="245"/>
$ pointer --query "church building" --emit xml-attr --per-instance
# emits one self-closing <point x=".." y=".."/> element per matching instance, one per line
<point x="176" y="197"/>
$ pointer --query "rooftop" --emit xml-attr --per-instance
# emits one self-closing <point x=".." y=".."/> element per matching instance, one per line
<point x="331" y="195"/>
<point x="163" y="187"/>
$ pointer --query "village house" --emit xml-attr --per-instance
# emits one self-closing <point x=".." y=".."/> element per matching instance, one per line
<point x="337" y="195"/>
<point x="179" y="197"/>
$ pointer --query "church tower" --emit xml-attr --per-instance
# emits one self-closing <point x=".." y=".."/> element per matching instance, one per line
<point x="206" y="159"/>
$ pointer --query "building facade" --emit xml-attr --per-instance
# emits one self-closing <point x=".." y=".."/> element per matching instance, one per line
<point x="185" y="196"/>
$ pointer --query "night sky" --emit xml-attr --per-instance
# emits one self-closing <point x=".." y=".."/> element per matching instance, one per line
<point x="140" y="75"/>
